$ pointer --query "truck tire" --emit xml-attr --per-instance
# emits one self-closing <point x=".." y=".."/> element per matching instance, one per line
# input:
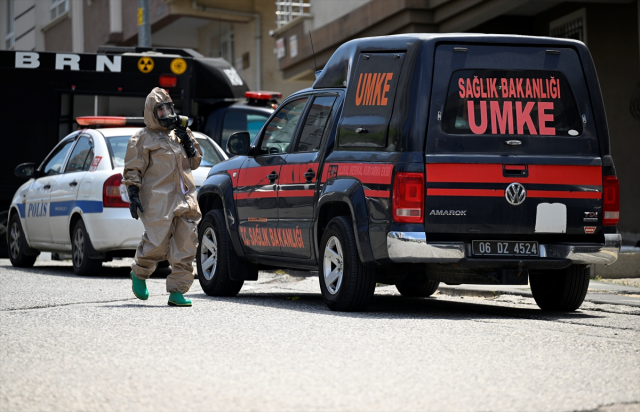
<point x="83" y="265"/>
<point x="560" y="290"/>
<point x="213" y="256"/>
<point x="418" y="288"/>
<point x="346" y="284"/>
<point x="19" y="250"/>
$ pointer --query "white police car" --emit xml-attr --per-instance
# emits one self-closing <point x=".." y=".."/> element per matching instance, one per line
<point x="74" y="201"/>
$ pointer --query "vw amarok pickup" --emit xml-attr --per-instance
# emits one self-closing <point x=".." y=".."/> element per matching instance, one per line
<point x="418" y="159"/>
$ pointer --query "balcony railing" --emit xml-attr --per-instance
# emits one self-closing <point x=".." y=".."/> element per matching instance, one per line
<point x="287" y="10"/>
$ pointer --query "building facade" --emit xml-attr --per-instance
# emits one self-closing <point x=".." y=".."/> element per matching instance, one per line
<point x="237" y="30"/>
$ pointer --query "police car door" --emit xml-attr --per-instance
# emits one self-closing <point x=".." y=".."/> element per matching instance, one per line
<point x="256" y="194"/>
<point x="298" y="177"/>
<point x="64" y="191"/>
<point x="37" y="210"/>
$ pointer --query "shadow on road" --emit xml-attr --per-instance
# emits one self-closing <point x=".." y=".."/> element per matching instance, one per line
<point x="396" y="307"/>
<point x="67" y="271"/>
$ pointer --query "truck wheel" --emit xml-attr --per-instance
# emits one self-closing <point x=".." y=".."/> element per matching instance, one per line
<point x="83" y="265"/>
<point x="214" y="252"/>
<point x="560" y="290"/>
<point x="18" y="247"/>
<point x="346" y="284"/>
<point x="418" y="288"/>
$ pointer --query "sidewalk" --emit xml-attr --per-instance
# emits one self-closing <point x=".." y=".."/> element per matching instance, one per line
<point x="622" y="292"/>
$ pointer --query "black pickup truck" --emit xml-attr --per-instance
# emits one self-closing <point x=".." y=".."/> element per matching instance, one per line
<point x="418" y="159"/>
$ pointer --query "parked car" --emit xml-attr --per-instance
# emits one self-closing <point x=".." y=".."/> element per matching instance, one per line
<point x="75" y="202"/>
<point x="424" y="158"/>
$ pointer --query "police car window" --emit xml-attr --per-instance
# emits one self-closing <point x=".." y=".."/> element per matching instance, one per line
<point x="510" y="102"/>
<point x="279" y="131"/>
<point x="315" y="123"/>
<point x="53" y="165"/>
<point x="118" y="149"/>
<point x="210" y="155"/>
<point x="237" y="121"/>
<point x="81" y="156"/>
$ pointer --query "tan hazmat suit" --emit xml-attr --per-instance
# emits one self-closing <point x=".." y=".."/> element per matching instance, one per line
<point x="157" y="163"/>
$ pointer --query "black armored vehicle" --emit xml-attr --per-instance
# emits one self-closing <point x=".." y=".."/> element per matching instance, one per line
<point x="418" y="159"/>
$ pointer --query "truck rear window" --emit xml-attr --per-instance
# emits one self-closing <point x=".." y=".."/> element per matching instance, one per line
<point x="510" y="102"/>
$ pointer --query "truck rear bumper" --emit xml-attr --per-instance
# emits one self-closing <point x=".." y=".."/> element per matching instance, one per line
<point x="412" y="247"/>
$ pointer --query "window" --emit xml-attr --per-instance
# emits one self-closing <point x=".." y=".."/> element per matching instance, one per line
<point x="10" y="38"/>
<point x="118" y="149"/>
<point x="369" y="101"/>
<point x="81" y="156"/>
<point x="58" y="7"/>
<point x="241" y="121"/>
<point x="510" y="102"/>
<point x="571" y="26"/>
<point x="315" y="124"/>
<point x="227" y="51"/>
<point x="53" y="165"/>
<point x="210" y="155"/>
<point x="281" y="128"/>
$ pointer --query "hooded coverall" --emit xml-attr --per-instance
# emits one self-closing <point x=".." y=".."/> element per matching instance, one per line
<point x="157" y="163"/>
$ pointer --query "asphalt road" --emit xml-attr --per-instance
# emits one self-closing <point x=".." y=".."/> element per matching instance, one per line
<point x="71" y="343"/>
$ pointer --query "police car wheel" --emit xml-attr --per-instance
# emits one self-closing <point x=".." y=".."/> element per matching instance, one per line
<point x="80" y="246"/>
<point x="213" y="255"/>
<point x="560" y="290"/>
<point x="417" y="288"/>
<point x="20" y="254"/>
<point x="346" y="284"/>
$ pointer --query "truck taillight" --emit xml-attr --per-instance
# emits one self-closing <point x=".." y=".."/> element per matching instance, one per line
<point x="408" y="197"/>
<point x="610" y="201"/>
<point x="114" y="192"/>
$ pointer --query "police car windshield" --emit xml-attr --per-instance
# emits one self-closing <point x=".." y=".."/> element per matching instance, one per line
<point x="210" y="155"/>
<point x="118" y="148"/>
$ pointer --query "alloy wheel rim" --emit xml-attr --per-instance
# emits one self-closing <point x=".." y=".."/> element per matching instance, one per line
<point x="14" y="243"/>
<point x="333" y="267"/>
<point x="78" y="243"/>
<point x="209" y="253"/>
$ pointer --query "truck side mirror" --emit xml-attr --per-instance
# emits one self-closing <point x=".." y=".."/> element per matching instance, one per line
<point x="26" y="170"/>
<point x="238" y="143"/>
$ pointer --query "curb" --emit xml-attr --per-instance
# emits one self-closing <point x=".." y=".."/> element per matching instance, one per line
<point x="447" y="290"/>
<point x="627" y="266"/>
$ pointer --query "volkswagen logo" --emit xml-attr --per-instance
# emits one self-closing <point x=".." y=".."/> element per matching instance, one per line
<point x="515" y="194"/>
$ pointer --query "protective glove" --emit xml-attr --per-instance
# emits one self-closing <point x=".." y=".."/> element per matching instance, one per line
<point x="134" y="200"/>
<point x="186" y="141"/>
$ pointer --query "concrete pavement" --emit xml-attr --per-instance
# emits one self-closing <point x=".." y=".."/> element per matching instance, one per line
<point x="84" y="343"/>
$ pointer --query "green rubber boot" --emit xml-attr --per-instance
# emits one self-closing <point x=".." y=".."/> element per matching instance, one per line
<point x="139" y="287"/>
<point x="176" y="299"/>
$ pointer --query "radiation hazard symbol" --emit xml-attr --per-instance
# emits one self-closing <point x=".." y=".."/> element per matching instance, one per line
<point x="145" y="64"/>
<point x="178" y="66"/>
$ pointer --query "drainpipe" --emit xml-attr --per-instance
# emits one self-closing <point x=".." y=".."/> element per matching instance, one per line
<point x="256" y="16"/>
<point x="77" y="27"/>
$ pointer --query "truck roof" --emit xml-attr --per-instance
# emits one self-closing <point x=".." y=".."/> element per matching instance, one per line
<point x="337" y="70"/>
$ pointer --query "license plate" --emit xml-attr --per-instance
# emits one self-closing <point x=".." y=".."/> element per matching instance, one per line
<point x="504" y="248"/>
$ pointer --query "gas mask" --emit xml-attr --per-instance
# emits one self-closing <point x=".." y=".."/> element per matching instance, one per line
<point x="167" y="117"/>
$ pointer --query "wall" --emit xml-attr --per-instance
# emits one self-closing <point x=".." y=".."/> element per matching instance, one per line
<point x="615" y="52"/>
<point x="96" y="24"/>
<point x="324" y="11"/>
<point x="58" y="37"/>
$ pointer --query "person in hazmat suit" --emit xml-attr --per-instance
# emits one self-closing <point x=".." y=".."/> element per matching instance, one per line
<point x="157" y="173"/>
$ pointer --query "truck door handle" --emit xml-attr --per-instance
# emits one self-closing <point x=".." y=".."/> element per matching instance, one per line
<point x="74" y="183"/>
<point x="310" y="175"/>
<point x="361" y="130"/>
<point x="46" y="187"/>
<point x="272" y="177"/>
